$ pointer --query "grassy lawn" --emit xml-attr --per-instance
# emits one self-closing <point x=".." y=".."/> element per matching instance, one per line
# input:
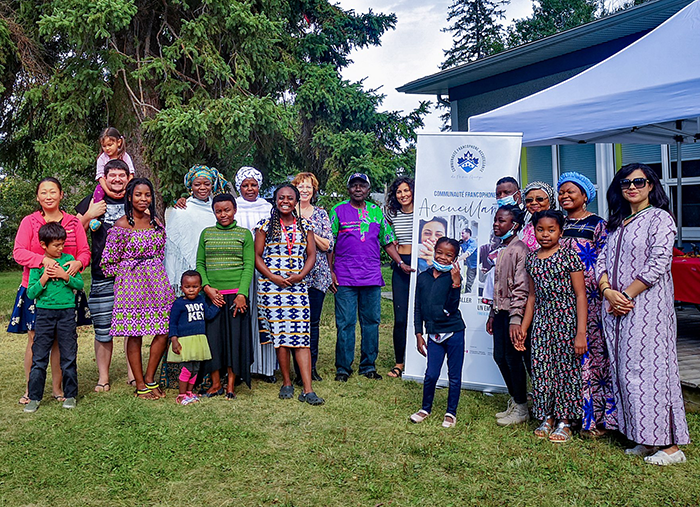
<point x="358" y="449"/>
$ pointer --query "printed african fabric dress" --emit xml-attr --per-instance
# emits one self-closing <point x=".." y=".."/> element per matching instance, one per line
<point x="556" y="371"/>
<point x="142" y="293"/>
<point x="586" y="236"/>
<point x="284" y="314"/>
<point x="642" y="343"/>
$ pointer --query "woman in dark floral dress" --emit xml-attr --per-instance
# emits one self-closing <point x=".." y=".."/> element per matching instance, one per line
<point x="585" y="233"/>
<point x="557" y="310"/>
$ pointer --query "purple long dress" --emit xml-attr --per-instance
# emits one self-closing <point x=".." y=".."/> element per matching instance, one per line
<point x="642" y="344"/>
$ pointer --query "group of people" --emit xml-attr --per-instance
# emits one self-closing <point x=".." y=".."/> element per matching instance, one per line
<point x="584" y="306"/>
<point x="232" y="287"/>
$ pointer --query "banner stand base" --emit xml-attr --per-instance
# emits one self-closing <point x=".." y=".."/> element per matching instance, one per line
<point x="470" y="386"/>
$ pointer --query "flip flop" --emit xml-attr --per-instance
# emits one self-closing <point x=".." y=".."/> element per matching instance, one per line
<point x="102" y="388"/>
<point x="395" y="372"/>
<point x="24" y="400"/>
<point x="59" y="398"/>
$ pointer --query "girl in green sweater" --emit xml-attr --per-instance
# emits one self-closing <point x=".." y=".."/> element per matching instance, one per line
<point x="226" y="261"/>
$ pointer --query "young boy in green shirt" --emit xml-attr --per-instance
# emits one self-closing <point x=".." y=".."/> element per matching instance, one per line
<point x="53" y="290"/>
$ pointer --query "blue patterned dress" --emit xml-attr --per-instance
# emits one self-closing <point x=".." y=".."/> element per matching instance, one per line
<point x="283" y="312"/>
<point x="587" y="236"/>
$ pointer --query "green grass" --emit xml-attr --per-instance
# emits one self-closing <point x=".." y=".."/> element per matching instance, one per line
<point x="359" y="449"/>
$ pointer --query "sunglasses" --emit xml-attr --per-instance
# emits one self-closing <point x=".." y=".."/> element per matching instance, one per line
<point x="637" y="182"/>
<point x="539" y="199"/>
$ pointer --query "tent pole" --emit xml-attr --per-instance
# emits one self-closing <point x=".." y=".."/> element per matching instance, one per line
<point x="679" y="189"/>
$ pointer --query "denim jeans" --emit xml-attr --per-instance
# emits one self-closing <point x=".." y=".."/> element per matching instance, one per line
<point x="453" y="348"/>
<point x="53" y="325"/>
<point x="512" y="363"/>
<point x="349" y="301"/>
<point x="316" y="298"/>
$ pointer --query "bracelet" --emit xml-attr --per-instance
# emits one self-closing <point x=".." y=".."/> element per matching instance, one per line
<point x="456" y="286"/>
<point x="602" y="293"/>
<point x="399" y="263"/>
<point x="629" y="298"/>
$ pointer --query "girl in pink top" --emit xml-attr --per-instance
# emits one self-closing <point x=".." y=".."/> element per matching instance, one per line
<point x="113" y="147"/>
<point x="29" y="254"/>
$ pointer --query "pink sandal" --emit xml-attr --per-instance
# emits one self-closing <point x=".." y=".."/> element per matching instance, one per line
<point x="419" y="416"/>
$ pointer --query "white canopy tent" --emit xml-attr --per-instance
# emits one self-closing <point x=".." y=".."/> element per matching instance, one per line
<point x="648" y="93"/>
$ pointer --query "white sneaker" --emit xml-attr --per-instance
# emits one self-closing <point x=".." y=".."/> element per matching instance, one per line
<point x="507" y="411"/>
<point x="519" y="414"/>
<point x="641" y="450"/>
<point x="662" y="458"/>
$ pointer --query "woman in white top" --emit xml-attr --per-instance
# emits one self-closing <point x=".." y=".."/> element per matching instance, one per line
<point x="251" y="208"/>
<point x="400" y="216"/>
<point x="188" y="218"/>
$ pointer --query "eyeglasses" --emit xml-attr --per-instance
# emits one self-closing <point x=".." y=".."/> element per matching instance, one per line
<point x="637" y="182"/>
<point x="539" y="199"/>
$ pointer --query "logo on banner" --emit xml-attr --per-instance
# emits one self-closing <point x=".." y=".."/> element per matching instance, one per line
<point x="468" y="158"/>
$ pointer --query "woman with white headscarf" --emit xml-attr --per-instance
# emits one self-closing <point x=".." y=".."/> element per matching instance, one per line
<point x="251" y="209"/>
<point x="538" y="196"/>
<point x="188" y="218"/>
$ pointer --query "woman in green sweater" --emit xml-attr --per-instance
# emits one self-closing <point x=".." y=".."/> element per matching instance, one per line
<point x="226" y="261"/>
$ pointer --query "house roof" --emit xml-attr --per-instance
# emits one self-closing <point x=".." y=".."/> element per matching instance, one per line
<point x="635" y="20"/>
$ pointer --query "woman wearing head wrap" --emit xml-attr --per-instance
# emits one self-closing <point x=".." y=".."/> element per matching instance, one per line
<point x="251" y="209"/>
<point x="188" y="218"/>
<point x="585" y="233"/>
<point x="538" y="196"/>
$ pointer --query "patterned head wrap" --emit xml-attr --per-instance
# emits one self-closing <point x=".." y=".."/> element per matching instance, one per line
<point x="546" y="188"/>
<point x="248" y="172"/>
<point x="580" y="181"/>
<point x="218" y="182"/>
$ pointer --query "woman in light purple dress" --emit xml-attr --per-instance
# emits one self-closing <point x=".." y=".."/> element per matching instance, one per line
<point x="634" y="276"/>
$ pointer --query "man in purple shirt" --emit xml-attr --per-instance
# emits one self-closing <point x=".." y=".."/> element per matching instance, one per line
<point x="360" y="231"/>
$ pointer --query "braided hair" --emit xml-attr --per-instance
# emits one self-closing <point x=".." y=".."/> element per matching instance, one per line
<point x="129" y="207"/>
<point x="274" y="228"/>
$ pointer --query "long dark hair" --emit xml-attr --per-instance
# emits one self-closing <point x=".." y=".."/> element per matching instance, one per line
<point x="619" y="207"/>
<point x="392" y="202"/>
<point x="274" y="229"/>
<point x="129" y="207"/>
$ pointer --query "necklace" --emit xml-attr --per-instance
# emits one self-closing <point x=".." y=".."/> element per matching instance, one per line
<point x="575" y="223"/>
<point x="286" y="236"/>
<point x="637" y="213"/>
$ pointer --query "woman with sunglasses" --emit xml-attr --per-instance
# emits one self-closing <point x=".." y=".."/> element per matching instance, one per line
<point x="585" y="233"/>
<point x="634" y="275"/>
<point x="539" y="196"/>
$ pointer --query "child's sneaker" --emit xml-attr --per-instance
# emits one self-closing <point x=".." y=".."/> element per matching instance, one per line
<point x="32" y="406"/>
<point x="520" y="414"/>
<point x="70" y="403"/>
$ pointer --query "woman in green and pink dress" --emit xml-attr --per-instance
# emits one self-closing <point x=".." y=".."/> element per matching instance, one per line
<point x="134" y="256"/>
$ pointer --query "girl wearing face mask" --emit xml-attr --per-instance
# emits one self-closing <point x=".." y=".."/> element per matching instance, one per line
<point x="510" y="292"/>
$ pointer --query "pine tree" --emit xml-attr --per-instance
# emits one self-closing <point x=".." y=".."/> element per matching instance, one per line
<point x="218" y="82"/>
<point x="475" y="29"/>
<point x="476" y="33"/>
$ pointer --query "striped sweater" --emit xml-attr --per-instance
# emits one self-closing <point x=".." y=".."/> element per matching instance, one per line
<point x="226" y="258"/>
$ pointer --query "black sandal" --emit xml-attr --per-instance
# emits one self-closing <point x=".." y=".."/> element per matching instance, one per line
<point x="395" y="372"/>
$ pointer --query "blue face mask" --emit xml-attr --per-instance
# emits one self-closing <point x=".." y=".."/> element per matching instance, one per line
<point x="508" y="234"/>
<point x="506" y="200"/>
<point x="441" y="267"/>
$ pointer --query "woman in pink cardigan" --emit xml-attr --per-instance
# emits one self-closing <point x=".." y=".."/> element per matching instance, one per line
<point x="29" y="254"/>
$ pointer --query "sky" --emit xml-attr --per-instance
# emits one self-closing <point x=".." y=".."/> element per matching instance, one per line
<point x="413" y="50"/>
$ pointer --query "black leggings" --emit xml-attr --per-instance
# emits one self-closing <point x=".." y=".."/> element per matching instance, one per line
<point x="400" y="282"/>
<point x="512" y="363"/>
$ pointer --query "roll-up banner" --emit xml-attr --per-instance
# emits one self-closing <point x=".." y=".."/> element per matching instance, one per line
<point x="455" y="196"/>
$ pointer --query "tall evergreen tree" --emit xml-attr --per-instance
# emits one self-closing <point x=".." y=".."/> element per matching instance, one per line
<point x="476" y="33"/>
<point x="476" y="30"/>
<point x="218" y="82"/>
